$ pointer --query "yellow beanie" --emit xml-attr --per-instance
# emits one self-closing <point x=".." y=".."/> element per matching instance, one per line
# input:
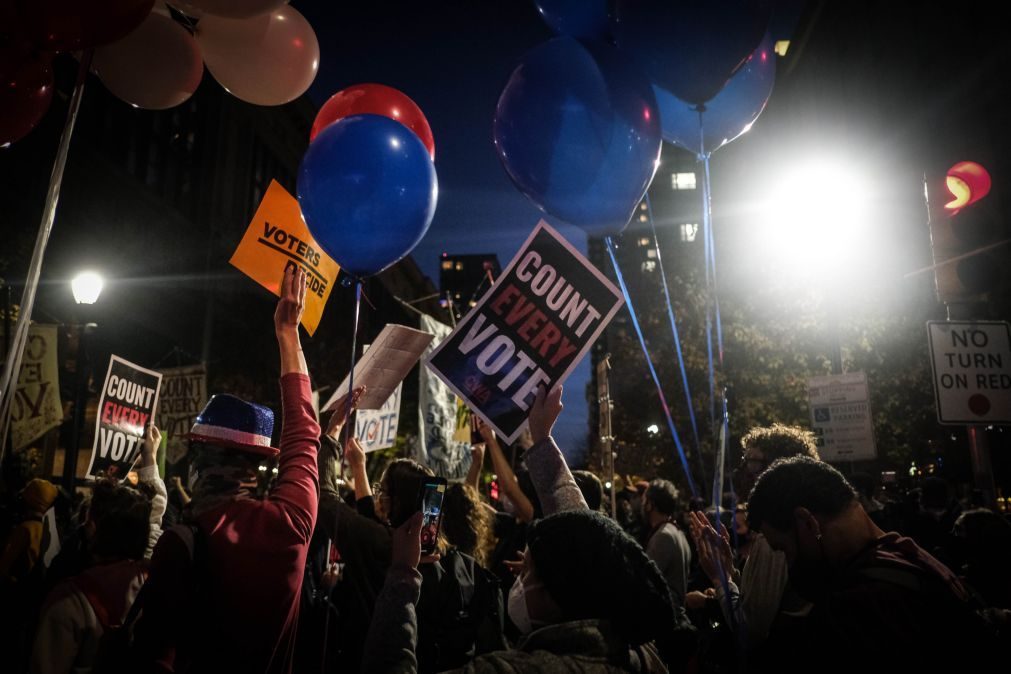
<point x="39" y="494"/>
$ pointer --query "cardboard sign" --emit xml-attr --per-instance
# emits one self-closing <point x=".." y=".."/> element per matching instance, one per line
<point x="531" y="328"/>
<point x="377" y="429"/>
<point x="36" y="406"/>
<point x="183" y="395"/>
<point x="278" y="238"/>
<point x="128" y="401"/>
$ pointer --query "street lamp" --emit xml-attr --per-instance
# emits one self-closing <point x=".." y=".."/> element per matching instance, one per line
<point x="653" y="429"/>
<point x="86" y="287"/>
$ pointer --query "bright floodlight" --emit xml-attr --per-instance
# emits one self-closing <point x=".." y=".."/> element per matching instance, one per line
<point x="87" y="286"/>
<point x="816" y="215"/>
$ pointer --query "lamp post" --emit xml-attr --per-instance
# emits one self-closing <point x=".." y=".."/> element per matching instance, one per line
<point x="86" y="287"/>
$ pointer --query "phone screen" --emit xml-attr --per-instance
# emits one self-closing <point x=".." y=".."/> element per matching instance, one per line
<point x="432" y="493"/>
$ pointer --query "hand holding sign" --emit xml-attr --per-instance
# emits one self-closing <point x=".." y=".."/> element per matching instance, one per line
<point x="149" y="450"/>
<point x="342" y="410"/>
<point x="544" y="412"/>
<point x="292" y="303"/>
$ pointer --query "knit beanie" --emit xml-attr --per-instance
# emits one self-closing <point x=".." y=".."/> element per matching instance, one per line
<point x="593" y="569"/>
<point x="39" y="495"/>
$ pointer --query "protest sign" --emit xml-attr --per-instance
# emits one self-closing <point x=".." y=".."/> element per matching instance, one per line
<point x="437" y="414"/>
<point x="129" y="399"/>
<point x="183" y="394"/>
<point x="278" y="238"/>
<point x="531" y="328"/>
<point x="377" y="429"/>
<point x="36" y="407"/>
<point x="384" y="365"/>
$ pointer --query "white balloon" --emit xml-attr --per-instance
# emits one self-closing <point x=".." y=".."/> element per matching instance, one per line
<point x="155" y="67"/>
<point x="267" y="60"/>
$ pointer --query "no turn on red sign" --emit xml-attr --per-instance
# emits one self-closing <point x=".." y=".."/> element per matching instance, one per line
<point x="971" y="362"/>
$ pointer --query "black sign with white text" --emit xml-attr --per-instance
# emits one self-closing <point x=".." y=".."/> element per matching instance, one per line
<point x="533" y="327"/>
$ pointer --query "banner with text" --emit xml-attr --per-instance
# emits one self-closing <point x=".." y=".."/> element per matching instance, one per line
<point x="36" y="406"/>
<point x="183" y="395"/>
<point x="531" y="328"/>
<point x="377" y="429"/>
<point x="435" y="446"/>
<point x="129" y="399"/>
<point x="278" y="238"/>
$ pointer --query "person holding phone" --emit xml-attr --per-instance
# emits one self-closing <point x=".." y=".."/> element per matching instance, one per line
<point x="586" y="598"/>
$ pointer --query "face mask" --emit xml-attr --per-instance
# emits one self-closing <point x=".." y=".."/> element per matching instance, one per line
<point x="517" y="607"/>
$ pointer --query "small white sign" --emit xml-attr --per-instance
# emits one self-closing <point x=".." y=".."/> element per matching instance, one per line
<point x="971" y="362"/>
<point x="841" y="417"/>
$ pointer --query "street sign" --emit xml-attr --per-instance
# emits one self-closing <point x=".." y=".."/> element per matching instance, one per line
<point x="971" y="362"/>
<point x="841" y="417"/>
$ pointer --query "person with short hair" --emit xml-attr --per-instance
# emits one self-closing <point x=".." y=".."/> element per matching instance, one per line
<point x="223" y="593"/>
<point x="667" y="544"/>
<point x="877" y="598"/>
<point x="591" y="488"/>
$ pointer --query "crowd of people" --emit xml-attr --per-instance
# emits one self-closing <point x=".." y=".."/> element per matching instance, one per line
<point x="280" y="559"/>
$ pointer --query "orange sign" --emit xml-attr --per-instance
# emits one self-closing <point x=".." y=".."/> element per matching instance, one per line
<point x="278" y="238"/>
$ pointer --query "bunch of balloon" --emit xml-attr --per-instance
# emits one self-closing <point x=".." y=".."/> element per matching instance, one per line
<point x="367" y="185"/>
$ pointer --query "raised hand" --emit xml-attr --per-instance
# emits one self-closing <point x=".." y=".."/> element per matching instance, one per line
<point x="292" y="301"/>
<point x="342" y="409"/>
<point x="544" y="412"/>
<point x="149" y="449"/>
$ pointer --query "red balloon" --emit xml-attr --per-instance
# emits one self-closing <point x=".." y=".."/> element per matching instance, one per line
<point x="375" y="99"/>
<point x="25" y="94"/>
<point x="70" y="25"/>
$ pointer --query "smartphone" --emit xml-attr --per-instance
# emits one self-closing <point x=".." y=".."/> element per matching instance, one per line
<point x="475" y="435"/>
<point x="433" y="489"/>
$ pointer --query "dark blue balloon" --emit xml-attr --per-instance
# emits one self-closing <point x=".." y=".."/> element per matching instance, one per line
<point x="730" y="113"/>
<point x="367" y="188"/>
<point x="584" y="19"/>
<point x="578" y="132"/>
<point x="690" y="47"/>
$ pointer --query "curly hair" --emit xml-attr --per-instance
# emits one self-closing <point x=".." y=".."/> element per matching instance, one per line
<point x="466" y="523"/>
<point x="779" y="441"/>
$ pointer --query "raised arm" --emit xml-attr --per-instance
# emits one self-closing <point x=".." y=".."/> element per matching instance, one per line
<point x="147" y="472"/>
<point x="556" y="488"/>
<point x="297" y="480"/>
<point x="506" y="477"/>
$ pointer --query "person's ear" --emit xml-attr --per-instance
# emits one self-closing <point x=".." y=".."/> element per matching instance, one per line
<point x="806" y="524"/>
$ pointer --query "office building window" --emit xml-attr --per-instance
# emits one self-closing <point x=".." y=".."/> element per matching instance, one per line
<point x="447" y="264"/>
<point x="649" y="266"/>
<point x="682" y="181"/>
<point x="688" y="231"/>
<point x="644" y="241"/>
<point x="459" y="266"/>
<point x="651" y="253"/>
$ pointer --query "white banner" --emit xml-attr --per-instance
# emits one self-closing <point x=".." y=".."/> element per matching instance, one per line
<point x="435" y="447"/>
<point x="377" y="429"/>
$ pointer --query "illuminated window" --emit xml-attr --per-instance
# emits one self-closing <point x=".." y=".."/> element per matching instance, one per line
<point x="643" y="218"/>
<point x="643" y="241"/>
<point x="781" y="47"/>
<point x="447" y="264"/>
<point x="682" y="181"/>
<point x="689" y="230"/>
<point x="649" y="266"/>
<point x="651" y="253"/>
<point x="642" y="206"/>
<point x="459" y="266"/>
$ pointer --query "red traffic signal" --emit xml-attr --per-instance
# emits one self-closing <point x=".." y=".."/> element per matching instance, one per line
<point x="962" y="230"/>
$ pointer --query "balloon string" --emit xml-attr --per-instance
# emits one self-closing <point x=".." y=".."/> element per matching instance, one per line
<point x="354" y="348"/>
<point x="709" y="258"/>
<point x="649" y="364"/>
<point x="677" y="340"/>
<point x="712" y="258"/>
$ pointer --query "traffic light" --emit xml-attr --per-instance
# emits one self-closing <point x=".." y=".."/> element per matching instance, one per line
<point x="963" y="233"/>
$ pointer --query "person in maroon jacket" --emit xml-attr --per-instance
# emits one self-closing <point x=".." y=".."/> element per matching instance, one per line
<point x="223" y="593"/>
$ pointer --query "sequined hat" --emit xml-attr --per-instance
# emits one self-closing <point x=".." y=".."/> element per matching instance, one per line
<point x="227" y="421"/>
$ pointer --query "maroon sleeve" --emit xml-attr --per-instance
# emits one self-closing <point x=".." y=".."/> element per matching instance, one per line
<point x="166" y="609"/>
<point x="297" y="487"/>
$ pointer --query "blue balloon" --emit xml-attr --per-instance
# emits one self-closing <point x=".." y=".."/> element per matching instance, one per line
<point x="690" y="47"/>
<point x="730" y="113"/>
<point x="577" y="130"/>
<point x="367" y="188"/>
<point x="584" y="19"/>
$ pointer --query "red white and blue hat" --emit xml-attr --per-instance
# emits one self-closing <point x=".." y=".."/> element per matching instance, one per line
<point x="227" y="421"/>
